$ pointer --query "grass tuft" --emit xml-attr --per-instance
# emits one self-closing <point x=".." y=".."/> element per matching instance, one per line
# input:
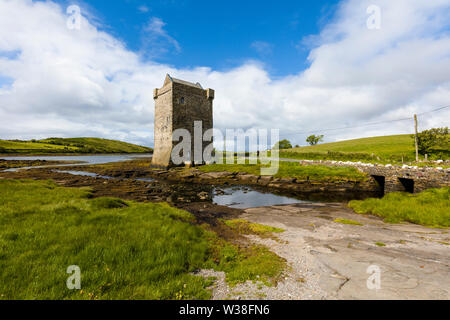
<point x="246" y="227"/>
<point x="430" y="208"/>
<point x="347" y="221"/>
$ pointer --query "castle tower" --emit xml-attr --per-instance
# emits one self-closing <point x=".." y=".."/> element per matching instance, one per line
<point x="178" y="104"/>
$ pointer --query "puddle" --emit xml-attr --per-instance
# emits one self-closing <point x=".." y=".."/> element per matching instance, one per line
<point x="84" y="174"/>
<point x="245" y="197"/>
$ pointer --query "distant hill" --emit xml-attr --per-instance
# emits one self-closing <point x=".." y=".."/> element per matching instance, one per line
<point x="388" y="148"/>
<point x="70" y="145"/>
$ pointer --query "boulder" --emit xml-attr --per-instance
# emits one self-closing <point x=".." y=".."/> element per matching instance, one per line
<point x="248" y="178"/>
<point x="216" y="175"/>
<point x="265" y="180"/>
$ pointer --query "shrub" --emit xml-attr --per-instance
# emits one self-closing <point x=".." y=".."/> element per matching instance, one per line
<point x="436" y="138"/>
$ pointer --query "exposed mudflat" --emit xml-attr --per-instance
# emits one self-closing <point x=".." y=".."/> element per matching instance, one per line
<point x="8" y="164"/>
<point x="330" y="260"/>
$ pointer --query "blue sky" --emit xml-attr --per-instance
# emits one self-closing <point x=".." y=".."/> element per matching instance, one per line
<point x="98" y="80"/>
<point x="218" y="34"/>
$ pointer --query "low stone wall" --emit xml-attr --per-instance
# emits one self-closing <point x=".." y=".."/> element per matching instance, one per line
<point x="397" y="178"/>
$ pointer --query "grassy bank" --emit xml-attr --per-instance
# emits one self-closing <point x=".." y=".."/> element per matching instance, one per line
<point x="429" y="208"/>
<point x="293" y="170"/>
<point x="376" y="149"/>
<point x="125" y="250"/>
<point x="72" y="145"/>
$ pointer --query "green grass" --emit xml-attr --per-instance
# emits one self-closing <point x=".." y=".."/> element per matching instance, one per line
<point x="380" y="244"/>
<point x="429" y="208"/>
<point x="246" y="227"/>
<point x="386" y="148"/>
<point x="72" y="145"/>
<point x="293" y="170"/>
<point x="347" y="221"/>
<point x="125" y="250"/>
<point x="24" y="146"/>
<point x="254" y="263"/>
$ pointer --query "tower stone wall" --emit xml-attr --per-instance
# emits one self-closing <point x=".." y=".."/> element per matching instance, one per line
<point x="178" y="105"/>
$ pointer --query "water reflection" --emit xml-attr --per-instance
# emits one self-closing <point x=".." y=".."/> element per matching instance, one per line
<point x="244" y="198"/>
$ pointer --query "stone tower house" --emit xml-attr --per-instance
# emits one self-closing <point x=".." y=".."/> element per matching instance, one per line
<point x="178" y="104"/>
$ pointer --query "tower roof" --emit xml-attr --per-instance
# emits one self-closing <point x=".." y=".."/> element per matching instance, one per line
<point x="186" y="83"/>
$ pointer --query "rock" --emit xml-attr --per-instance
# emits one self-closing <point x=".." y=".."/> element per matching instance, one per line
<point x="249" y="178"/>
<point x="203" y="195"/>
<point x="288" y="180"/>
<point x="265" y="180"/>
<point x="216" y="175"/>
<point x="187" y="175"/>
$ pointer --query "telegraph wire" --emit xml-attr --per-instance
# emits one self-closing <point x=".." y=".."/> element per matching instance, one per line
<point x="367" y="124"/>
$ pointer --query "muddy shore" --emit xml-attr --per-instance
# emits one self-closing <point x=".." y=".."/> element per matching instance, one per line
<point x="9" y="164"/>
<point x="334" y="191"/>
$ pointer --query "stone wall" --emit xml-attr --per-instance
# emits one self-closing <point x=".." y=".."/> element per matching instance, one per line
<point x="397" y="178"/>
<point x="178" y="105"/>
<point x="163" y="126"/>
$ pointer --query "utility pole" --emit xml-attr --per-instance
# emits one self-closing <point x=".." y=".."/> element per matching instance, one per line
<point x="416" y="138"/>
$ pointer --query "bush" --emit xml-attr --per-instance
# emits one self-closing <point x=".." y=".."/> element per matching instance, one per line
<point x="430" y="140"/>
<point x="283" y="144"/>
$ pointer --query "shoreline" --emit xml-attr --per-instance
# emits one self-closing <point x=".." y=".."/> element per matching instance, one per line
<point x="10" y="155"/>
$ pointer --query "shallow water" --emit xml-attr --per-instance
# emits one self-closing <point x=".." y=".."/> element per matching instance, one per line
<point x="244" y="198"/>
<point x="87" y="160"/>
<point x="239" y="197"/>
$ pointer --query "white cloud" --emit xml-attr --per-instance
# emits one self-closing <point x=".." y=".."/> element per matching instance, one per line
<point x="157" y="39"/>
<point x="86" y="83"/>
<point x="143" y="9"/>
<point x="263" y="48"/>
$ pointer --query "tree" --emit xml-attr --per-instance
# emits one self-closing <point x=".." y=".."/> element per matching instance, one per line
<point x="431" y="139"/>
<point x="313" y="140"/>
<point x="283" y="144"/>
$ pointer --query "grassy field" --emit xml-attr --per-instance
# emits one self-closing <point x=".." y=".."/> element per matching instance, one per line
<point x="386" y="148"/>
<point x="125" y="250"/>
<point x="429" y="208"/>
<point x="72" y="145"/>
<point x="293" y="170"/>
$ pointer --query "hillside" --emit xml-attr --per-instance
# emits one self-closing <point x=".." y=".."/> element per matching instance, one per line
<point x="70" y="145"/>
<point x="385" y="148"/>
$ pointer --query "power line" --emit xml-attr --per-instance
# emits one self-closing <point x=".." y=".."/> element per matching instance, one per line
<point x="368" y="124"/>
<point x="435" y="110"/>
<point x="351" y="127"/>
